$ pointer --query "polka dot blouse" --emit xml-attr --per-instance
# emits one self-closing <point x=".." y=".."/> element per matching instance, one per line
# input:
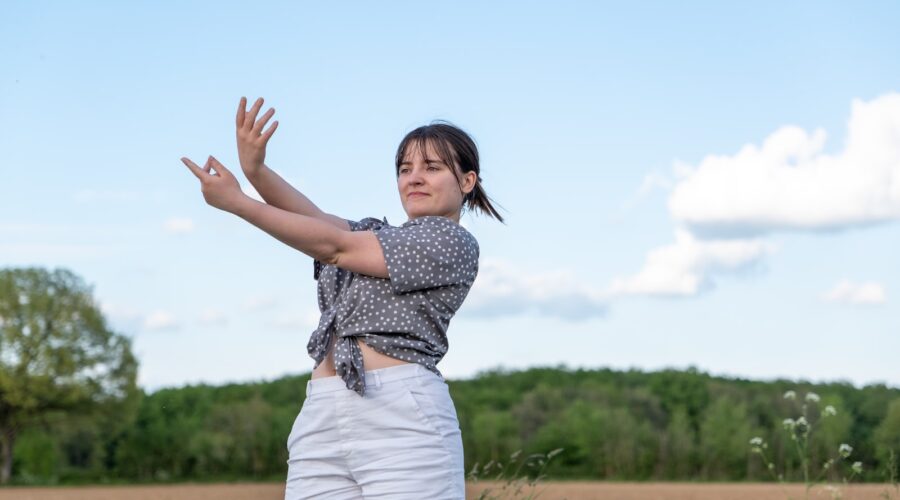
<point x="432" y="262"/>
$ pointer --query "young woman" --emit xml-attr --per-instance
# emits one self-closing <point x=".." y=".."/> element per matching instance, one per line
<point x="378" y="420"/>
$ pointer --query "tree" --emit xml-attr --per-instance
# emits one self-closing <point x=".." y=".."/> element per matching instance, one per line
<point x="725" y="430"/>
<point x="678" y="447"/>
<point x="887" y="437"/>
<point x="56" y="354"/>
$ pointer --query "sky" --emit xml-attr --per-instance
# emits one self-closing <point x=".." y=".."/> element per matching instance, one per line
<point x="701" y="184"/>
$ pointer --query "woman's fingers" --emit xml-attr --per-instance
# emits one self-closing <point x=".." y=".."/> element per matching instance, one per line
<point x="253" y="112"/>
<point x="193" y="167"/>
<point x="199" y="171"/>
<point x="247" y="119"/>
<point x="268" y="133"/>
<point x="220" y="169"/>
<point x="262" y="121"/>
<point x="242" y="109"/>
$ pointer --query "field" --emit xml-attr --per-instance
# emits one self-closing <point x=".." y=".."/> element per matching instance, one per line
<point x="548" y="490"/>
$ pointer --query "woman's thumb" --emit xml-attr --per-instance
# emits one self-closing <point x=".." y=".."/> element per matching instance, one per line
<point x="217" y="164"/>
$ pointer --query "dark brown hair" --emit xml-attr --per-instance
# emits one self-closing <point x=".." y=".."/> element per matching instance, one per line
<point x="457" y="150"/>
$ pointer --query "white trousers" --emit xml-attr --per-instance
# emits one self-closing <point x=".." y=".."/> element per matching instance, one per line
<point x="401" y="440"/>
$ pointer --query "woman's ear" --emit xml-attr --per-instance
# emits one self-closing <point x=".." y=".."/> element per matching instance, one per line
<point x="471" y="179"/>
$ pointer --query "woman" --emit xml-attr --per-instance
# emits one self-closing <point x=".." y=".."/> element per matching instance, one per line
<point x="378" y="420"/>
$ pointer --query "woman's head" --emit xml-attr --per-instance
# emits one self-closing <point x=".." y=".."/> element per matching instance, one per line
<point x="441" y="161"/>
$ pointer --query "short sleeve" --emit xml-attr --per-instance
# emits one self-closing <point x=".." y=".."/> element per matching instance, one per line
<point x="428" y="255"/>
<point x="354" y="225"/>
<point x="361" y="225"/>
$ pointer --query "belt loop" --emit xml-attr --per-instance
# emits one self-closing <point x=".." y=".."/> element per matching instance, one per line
<point x="377" y="379"/>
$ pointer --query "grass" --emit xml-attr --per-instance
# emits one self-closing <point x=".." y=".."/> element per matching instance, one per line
<point x="515" y="484"/>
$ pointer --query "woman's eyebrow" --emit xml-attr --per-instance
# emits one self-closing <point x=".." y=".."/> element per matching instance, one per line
<point x="407" y="162"/>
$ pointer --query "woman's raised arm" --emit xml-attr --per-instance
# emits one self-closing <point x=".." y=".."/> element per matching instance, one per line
<point x="251" y="143"/>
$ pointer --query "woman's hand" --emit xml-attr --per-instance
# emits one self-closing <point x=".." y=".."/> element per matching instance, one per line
<point x="251" y="141"/>
<point x="220" y="189"/>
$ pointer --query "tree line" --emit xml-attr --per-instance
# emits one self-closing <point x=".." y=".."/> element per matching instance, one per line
<point x="76" y="416"/>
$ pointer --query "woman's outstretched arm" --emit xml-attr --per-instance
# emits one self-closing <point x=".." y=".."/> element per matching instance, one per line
<point x="251" y="143"/>
<point x="279" y="193"/>
<point x="314" y="237"/>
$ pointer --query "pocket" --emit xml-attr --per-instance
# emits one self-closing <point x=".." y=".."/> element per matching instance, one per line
<point x="433" y="403"/>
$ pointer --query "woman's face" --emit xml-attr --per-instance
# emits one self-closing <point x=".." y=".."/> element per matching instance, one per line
<point x="441" y="193"/>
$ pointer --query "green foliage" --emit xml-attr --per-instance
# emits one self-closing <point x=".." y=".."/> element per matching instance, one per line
<point x="57" y="358"/>
<point x="612" y="425"/>
<point x="678" y="451"/>
<point x="37" y="457"/>
<point x="887" y="434"/>
<point x="801" y="430"/>
<point x="724" y="432"/>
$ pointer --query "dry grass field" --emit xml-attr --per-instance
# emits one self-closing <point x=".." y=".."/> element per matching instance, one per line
<point x="549" y="490"/>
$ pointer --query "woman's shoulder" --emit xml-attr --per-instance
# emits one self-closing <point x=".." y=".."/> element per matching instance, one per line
<point x="367" y="223"/>
<point x="421" y="226"/>
<point x="442" y="225"/>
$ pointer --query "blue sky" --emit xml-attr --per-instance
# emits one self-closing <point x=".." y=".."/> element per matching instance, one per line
<point x="698" y="183"/>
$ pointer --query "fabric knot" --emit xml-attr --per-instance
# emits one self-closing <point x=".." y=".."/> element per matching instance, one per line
<point x="348" y="364"/>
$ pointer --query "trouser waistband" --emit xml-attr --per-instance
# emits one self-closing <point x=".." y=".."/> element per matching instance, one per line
<point x="374" y="378"/>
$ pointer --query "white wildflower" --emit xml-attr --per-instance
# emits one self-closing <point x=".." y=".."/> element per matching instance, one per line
<point x="829" y="411"/>
<point x="812" y="397"/>
<point x="801" y="426"/>
<point x="857" y="467"/>
<point x="789" y="423"/>
<point x="790" y="395"/>
<point x="845" y="450"/>
<point x="757" y="445"/>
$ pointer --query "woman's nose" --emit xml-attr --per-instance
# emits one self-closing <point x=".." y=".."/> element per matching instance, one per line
<point x="415" y="177"/>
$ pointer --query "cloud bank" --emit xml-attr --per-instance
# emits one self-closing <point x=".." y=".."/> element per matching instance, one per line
<point x="725" y="205"/>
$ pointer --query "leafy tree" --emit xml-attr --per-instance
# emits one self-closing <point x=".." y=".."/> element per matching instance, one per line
<point x="724" y="432"/>
<point x="887" y="437"/>
<point x="678" y="447"/>
<point x="57" y="355"/>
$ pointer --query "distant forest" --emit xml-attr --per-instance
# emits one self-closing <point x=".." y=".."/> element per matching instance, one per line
<point x="617" y="425"/>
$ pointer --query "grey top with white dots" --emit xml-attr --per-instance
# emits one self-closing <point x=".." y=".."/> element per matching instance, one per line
<point x="432" y="262"/>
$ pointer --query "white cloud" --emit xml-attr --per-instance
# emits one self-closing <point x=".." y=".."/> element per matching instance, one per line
<point x="686" y="266"/>
<point x="308" y="321"/>
<point x="131" y="320"/>
<point x="112" y="309"/>
<point x="259" y="303"/>
<point x="847" y="292"/>
<point x="85" y="196"/>
<point x="122" y="317"/>
<point x="651" y="182"/>
<point x="212" y="317"/>
<point x="160" y="320"/>
<point x="654" y="180"/>
<point x="501" y="289"/>
<point x="179" y="225"/>
<point x="788" y="183"/>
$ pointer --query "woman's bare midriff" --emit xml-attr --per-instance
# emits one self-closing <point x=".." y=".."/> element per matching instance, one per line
<point x="372" y="360"/>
